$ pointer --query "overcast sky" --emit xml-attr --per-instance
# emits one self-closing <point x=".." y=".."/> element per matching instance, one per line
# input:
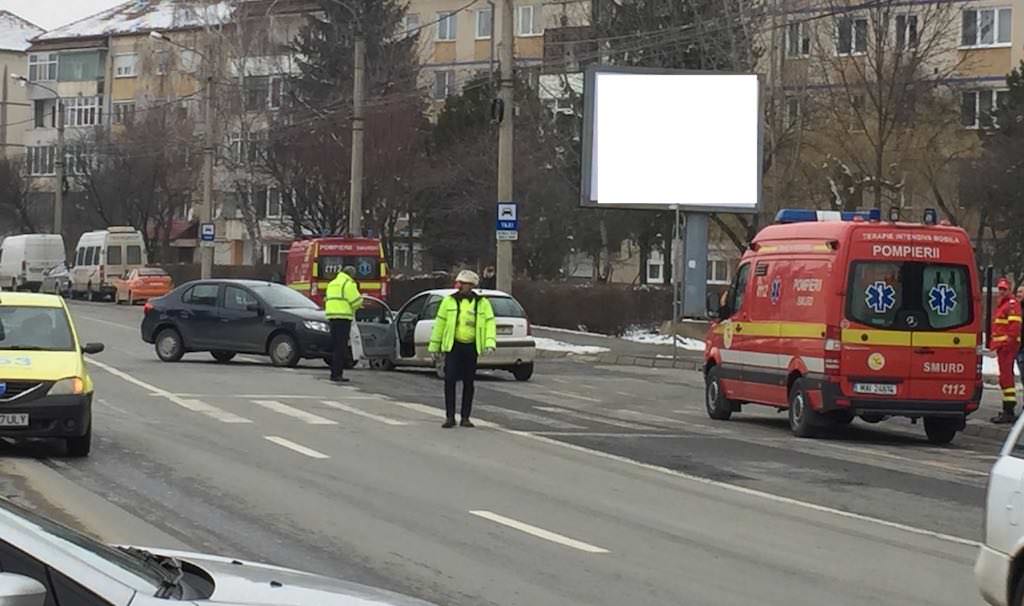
<point x="51" y="14"/>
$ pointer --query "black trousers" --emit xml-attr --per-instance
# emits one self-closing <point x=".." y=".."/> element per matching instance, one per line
<point x="459" y="365"/>
<point x="339" y="346"/>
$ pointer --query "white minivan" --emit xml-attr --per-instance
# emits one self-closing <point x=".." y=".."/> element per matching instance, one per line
<point x="103" y="256"/>
<point x="24" y="258"/>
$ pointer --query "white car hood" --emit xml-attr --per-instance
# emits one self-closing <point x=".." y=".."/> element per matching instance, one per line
<point x="243" y="583"/>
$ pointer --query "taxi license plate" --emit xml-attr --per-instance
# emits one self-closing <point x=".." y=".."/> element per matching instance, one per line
<point x="504" y="330"/>
<point x="13" y="420"/>
<point x="878" y="389"/>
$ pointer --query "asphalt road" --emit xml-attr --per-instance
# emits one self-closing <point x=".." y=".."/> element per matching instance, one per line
<point x="588" y="485"/>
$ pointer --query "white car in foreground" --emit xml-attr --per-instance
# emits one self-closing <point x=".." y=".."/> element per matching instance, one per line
<point x="42" y="562"/>
<point x="999" y="570"/>
<point x="516" y="349"/>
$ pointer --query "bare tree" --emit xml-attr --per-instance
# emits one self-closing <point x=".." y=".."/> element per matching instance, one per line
<point x="16" y="212"/>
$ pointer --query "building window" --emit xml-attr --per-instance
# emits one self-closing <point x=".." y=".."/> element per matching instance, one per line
<point x="857" y="118"/>
<point x="986" y="27"/>
<point x="410" y="23"/>
<point x="257" y="91"/>
<point x="124" y="65"/>
<point x="977" y="107"/>
<point x="189" y="60"/>
<point x="798" y="39"/>
<point x="162" y="59"/>
<point x="78" y="159"/>
<point x="446" y="25"/>
<point x="718" y="271"/>
<point x="276" y="92"/>
<point x="41" y="160"/>
<point x="484" y="24"/>
<point x="124" y="113"/>
<point x="906" y="32"/>
<point x="792" y="112"/>
<point x="528" y="20"/>
<point x="45" y="110"/>
<point x="444" y="84"/>
<point x="81" y="66"/>
<point x="852" y="36"/>
<point x="275" y="254"/>
<point x="42" y="67"/>
<point x="274" y="203"/>
<point x="83" y="111"/>
<point x="656" y="268"/>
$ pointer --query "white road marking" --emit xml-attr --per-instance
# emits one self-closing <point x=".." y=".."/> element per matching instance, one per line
<point x="299" y="448"/>
<point x="612" y="434"/>
<point x="565" y="394"/>
<point x="540" y="533"/>
<point x="107" y="322"/>
<point x="188" y="404"/>
<point x="434" y="412"/>
<point x="589" y="417"/>
<point x="295" y="413"/>
<point x="362" y="413"/>
<point x="525" y="416"/>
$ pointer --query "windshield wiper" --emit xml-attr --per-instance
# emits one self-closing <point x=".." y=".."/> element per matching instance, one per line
<point x="167" y="567"/>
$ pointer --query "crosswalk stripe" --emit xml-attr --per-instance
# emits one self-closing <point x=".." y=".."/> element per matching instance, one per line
<point x="299" y="448"/>
<point x="211" y="411"/>
<point x="362" y="413"/>
<point x="295" y="413"/>
<point x="532" y="418"/>
<point x="589" y="417"/>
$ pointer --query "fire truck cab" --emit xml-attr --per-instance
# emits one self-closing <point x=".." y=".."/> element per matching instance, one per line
<point x="314" y="262"/>
<point x="835" y="316"/>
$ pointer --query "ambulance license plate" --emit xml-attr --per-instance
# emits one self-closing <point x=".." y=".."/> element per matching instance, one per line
<point x="14" y="420"/>
<point x="876" y="389"/>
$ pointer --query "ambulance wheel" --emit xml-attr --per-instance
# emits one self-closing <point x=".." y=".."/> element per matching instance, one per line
<point x="941" y="430"/>
<point x="803" y="419"/>
<point x="718" y="406"/>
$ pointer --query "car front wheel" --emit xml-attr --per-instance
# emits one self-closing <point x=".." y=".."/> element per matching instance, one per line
<point x="284" y="351"/>
<point x="940" y="430"/>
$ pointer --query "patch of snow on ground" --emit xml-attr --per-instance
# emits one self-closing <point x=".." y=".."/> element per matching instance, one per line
<point x="553" y="345"/>
<point x="653" y="338"/>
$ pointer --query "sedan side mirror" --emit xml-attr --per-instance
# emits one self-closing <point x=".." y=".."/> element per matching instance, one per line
<point x="17" y="590"/>
<point x="93" y="348"/>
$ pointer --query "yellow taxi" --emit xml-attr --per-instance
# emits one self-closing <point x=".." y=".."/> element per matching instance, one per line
<point x="45" y="390"/>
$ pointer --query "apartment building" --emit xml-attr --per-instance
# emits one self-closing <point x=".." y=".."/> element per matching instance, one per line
<point x="905" y="87"/>
<point x="458" y="43"/>
<point x="15" y="109"/>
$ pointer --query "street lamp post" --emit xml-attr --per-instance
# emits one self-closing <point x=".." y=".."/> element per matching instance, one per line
<point x="206" y="209"/>
<point x="58" y="202"/>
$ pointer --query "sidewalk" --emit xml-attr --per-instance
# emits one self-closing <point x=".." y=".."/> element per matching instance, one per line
<point x="622" y="352"/>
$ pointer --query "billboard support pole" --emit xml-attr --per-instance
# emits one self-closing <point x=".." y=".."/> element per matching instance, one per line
<point x="695" y="278"/>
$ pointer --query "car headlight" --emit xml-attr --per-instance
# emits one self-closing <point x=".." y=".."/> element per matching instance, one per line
<point x="317" y="326"/>
<point x="72" y="386"/>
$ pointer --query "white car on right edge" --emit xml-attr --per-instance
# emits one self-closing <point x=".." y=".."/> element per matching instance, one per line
<point x="999" y="570"/>
<point x="516" y="349"/>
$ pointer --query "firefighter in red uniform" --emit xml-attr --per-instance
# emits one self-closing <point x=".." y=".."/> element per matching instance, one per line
<point x="1006" y="325"/>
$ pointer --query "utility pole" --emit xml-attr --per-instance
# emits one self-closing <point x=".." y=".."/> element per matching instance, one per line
<point x="506" y="97"/>
<point x="355" y="211"/>
<point x="58" y="199"/>
<point x="206" y="210"/>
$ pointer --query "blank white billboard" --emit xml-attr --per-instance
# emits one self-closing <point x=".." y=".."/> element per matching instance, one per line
<point x="662" y="139"/>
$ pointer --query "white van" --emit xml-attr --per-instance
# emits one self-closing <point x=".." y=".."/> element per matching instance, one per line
<point x="24" y="258"/>
<point x="103" y="256"/>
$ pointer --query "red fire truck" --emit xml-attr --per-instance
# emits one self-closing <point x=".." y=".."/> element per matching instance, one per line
<point x="314" y="262"/>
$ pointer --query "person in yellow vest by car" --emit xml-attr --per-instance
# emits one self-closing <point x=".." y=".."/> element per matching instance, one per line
<point x="463" y="330"/>
<point x="340" y="305"/>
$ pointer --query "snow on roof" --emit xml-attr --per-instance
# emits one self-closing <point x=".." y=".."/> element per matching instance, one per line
<point x="15" y="32"/>
<point x="139" y="16"/>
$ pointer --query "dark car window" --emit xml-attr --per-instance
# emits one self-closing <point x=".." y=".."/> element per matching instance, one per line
<point x="411" y="312"/>
<point x="506" y="307"/>
<point x="114" y="255"/>
<point x="909" y="295"/>
<point x="15" y="561"/>
<point x="430" y="311"/>
<point x="373" y="311"/>
<point x="238" y="299"/>
<point x="201" y="294"/>
<point x="282" y="297"/>
<point x="367" y="267"/>
<point x="134" y="255"/>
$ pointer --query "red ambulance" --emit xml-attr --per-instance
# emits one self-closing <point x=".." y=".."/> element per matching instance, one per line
<point x="312" y="264"/>
<point x="841" y="315"/>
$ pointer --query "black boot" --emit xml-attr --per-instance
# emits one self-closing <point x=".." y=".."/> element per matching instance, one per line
<point x="449" y="423"/>
<point x="1005" y="418"/>
<point x="466" y="422"/>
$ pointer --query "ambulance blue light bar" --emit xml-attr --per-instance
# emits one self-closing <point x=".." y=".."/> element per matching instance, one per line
<point x="802" y="215"/>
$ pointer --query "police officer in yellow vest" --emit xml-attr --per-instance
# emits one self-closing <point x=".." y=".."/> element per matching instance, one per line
<point x="340" y="303"/>
<point x="463" y="330"/>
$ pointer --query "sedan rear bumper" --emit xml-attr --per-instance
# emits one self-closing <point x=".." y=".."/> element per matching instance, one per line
<point x="51" y="417"/>
<point x="509" y="353"/>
